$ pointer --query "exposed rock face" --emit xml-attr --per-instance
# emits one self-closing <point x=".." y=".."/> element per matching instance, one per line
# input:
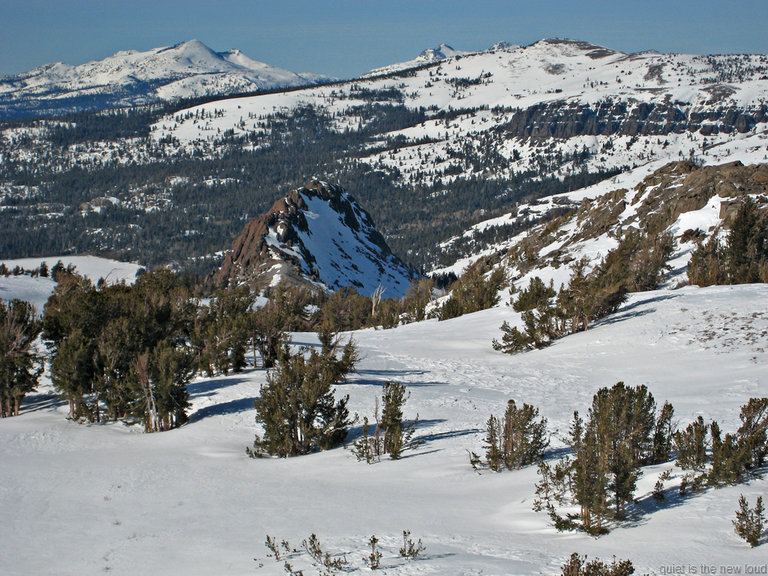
<point x="567" y="120"/>
<point x="685" y="200"/>
<point x="315" y="234"/>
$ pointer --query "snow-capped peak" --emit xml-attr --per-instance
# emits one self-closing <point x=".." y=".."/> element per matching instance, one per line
<point x="440" y="53"/>
<point x="319" y="234"/>
<point x="428" y="56"/>
<point x="184" y="70"/>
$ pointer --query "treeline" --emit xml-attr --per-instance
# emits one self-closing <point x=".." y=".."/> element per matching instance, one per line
<point x="742" y="258"/>
<point x="638" y="263"/>
<point x="121" y="352"/>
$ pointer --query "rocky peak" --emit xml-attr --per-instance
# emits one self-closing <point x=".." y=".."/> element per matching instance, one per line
<point x="315" y="234"/>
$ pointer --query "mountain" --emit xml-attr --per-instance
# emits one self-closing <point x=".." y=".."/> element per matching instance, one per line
<point x="319" y="234"/>
<point x="186" y="70"/>
<point x="430" y="151"/>
<point x="689" y="203"/>
<point x="428" y="56"/>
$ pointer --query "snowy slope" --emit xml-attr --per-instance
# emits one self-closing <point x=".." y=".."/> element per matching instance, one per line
<point x="106" y="498"/>
<point x="186" y="70"/>
<point x="37" y="290"/>
<point x="575" y="239"/>
<point x="528" y="105"/>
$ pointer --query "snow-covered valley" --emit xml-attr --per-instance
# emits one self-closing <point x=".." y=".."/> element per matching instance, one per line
<point x="88" y="499"/>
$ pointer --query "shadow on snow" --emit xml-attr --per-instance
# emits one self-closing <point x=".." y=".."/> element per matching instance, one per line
<point x="381" y="377"/>
<point x="230" y="407"/>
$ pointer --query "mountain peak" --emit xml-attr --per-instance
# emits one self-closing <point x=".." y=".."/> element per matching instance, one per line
<point x="439" y="53"/>
<point x="572" y="46"/>
<point x="316" y="234"/>
<point x="428" y="56"/>
<point x="185" y="70"/>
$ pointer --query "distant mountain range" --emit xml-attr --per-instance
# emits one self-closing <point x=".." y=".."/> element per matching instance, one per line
<point x="440" y="149"/>
<point x="187" y="70"/>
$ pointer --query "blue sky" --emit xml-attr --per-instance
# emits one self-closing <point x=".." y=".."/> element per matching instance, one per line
<point x="345" y="38"/>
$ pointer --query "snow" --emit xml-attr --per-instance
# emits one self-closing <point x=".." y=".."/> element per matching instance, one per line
<point x="92" y="267"/>
<point x="188" y="69"/>
<point x="344" y="257"/>
<point x="490" y="86"/>
<point x="38" y="290"/>
<point x="81" y="499"/>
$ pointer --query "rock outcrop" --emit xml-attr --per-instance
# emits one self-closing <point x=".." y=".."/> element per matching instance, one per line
<point x="315" y="234"/>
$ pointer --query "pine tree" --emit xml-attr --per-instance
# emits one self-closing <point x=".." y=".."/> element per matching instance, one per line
<point x="750" y="521"/>
<point x="525" y="436"/>
<point x="753" y="432"/>
<point x="397" y="435"/>
<point x="729" y="458"/>
<point x="662" y="437"/>
<point x="691" y="446"/>
<point x="297" y="406"/>
<point x="493" y="451"/>
<point x="20" y="366"/>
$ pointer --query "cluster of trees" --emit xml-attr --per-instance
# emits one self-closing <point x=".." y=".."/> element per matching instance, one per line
<point x="128" y="352"/>
<point x="622" y="433"/>
<point x="578" y="565"/>
<point x="711" y="459"/>
<point x="41" y="271"/>
<point x="518" y="440"/>
<point x="122" y="351"/>
<point x="20" y="365"/>
<point x="637" y="263"/>
<point x="742" y="259"/>
<point x="476" y="289"/>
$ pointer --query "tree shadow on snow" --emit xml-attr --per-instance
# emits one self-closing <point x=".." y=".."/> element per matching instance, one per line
<point x="631" y="311"/>
<point x="209" y="387"/>
<point x="230" y="407"/>
<point x="426" y="438"/>
<point x="645" y="506"/>
<point x="381" y="377"/>
<point x="41" y="401"/>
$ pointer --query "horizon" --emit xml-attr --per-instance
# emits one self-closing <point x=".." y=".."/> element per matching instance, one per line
<point x="345" y="39"/>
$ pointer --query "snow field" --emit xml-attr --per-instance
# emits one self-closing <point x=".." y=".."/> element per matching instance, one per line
<point x="81" y="499"/>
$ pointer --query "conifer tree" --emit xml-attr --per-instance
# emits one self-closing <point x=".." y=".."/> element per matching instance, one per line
<point x="20" y="366"/>
<point x="525" y="436"/>
<point x="397" y="434"/>
<point x="691" y="446"/>
<point x="753" y="432"/>
<point x="749" y="522"/>
<point x="730" y="458"/>
<point x="297" y="406"/>
<point x="621" y="434"/>
<point x="662" y="437"/>
<point x="493" y="441"/>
